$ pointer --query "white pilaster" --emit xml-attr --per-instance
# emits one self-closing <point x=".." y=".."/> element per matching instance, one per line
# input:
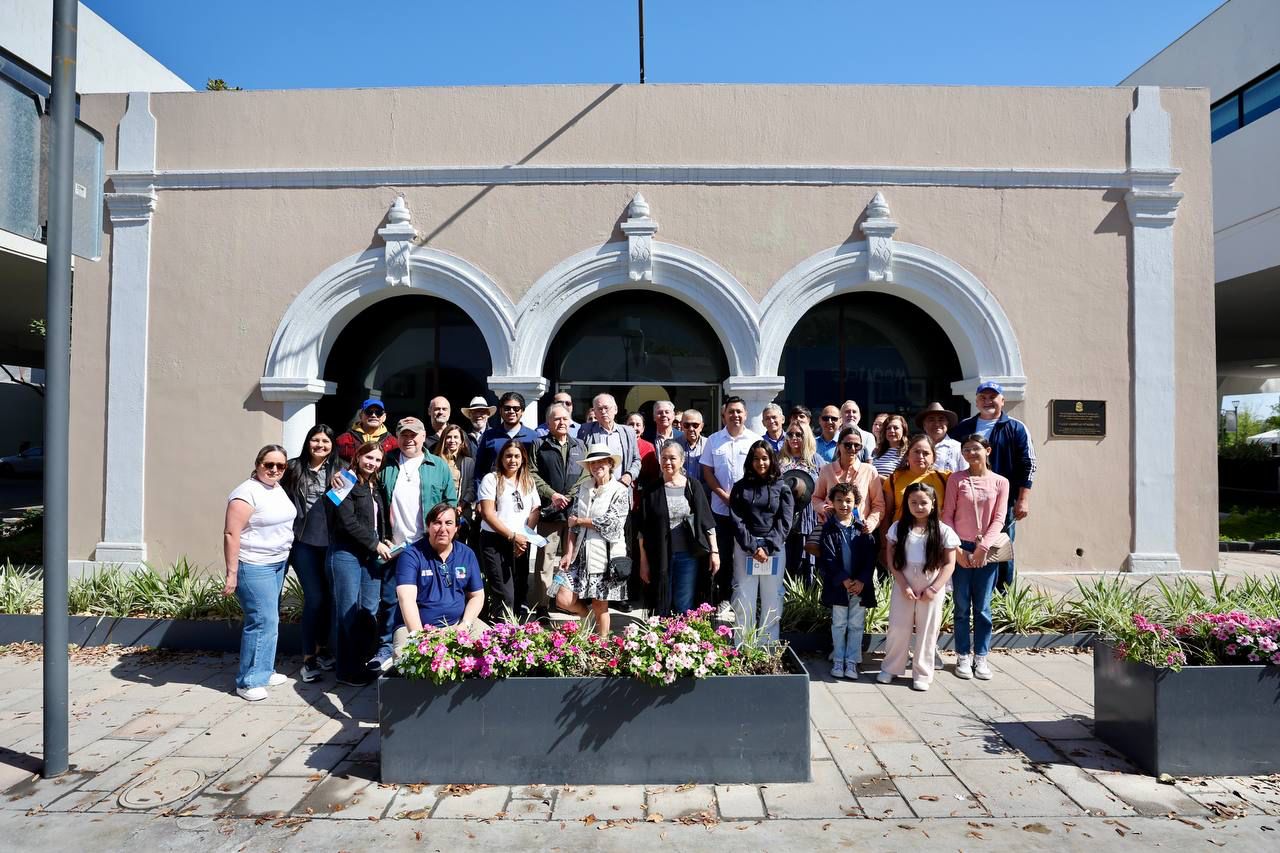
<point x="299" y="397"/>
<point x="531" y="387"/>
<point x="130" y="215"/>
<point x="1153" y="204"/>
<point x="756" y="391"/>
<point x="399" y="236"/>
<point x="879" y="228"/>
<point x="639" y="228"/>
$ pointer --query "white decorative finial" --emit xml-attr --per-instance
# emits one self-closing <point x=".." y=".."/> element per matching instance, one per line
<point x="878" y="208"/>
<point x="639" y="228"/>
<point x="399" y="236"/>
<point x="398" y="212"/>
<point x="879" y="228"/>
<point x="639" y="208"/>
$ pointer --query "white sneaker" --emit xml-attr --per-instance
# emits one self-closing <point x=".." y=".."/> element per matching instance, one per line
<point x="884" y="677"/>
<point x="937" y="662"/>
<point x="964" y="667"/>
<point x="920" y="684"/>
<point x="981" y="669"/>
<point x="277" y="679"/>
<point x="837" y="669"/>
<point x="252" y="694"/>
<point x="851" y="671"/>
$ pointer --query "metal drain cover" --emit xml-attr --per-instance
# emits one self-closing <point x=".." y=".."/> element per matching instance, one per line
<point x="166" y="786"/>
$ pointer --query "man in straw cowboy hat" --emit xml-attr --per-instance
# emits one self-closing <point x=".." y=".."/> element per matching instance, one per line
<point x="935" y="421"/>
<point x="478" y="411"/>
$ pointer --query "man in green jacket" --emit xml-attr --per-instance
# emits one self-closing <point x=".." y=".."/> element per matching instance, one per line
<point x="412" y="482"/>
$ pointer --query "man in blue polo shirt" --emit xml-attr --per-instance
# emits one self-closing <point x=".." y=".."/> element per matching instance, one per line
<point x="438" y="580"/>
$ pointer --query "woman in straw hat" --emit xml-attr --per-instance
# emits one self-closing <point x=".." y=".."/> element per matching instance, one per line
<point x="597" y="536"/>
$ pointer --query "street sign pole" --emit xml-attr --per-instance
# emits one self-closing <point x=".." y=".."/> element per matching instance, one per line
<point x="57" y="400"/>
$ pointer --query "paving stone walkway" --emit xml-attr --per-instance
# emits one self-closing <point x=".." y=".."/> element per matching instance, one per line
<point x="163" y="735"/>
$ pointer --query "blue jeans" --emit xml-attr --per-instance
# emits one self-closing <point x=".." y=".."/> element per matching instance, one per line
<point x="318" y="627"/>
<point x="389" y="608"/>
<point x="258" y="591"/>
<point x="356" y="581"/>
<point x="847" y="625"/>
<point x="971" y="589"/>
<point x="1004" y="571"/>
<point x="684" y="577"/>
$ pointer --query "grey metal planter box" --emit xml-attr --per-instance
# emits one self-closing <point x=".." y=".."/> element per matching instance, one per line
<point x="750" y="728"/>
<point x="1201" y="721"/>
<point x="209" y="635"/>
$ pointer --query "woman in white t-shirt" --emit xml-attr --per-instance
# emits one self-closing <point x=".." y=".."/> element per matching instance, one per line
<point x="923" y="555"/>
<point x="256" y="538"/>
<point x="508" y="503"/>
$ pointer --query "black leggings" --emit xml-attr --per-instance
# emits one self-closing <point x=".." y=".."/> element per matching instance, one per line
<point x="507" y="583"/>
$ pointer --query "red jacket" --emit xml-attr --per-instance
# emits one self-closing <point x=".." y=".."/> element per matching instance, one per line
<point x="349" y="442"/>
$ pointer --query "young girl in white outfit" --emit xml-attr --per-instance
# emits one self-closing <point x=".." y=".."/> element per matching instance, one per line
<point x="922" y="552"/>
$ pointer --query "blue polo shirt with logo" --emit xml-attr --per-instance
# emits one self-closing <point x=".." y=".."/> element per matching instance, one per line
<point x="442" y="584"/>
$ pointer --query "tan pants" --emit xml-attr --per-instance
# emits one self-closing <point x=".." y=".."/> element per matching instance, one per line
<point x="546" y="561"/>
<point x="905" y="615"/>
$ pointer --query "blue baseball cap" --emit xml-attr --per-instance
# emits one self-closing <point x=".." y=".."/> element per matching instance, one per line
<point x="372" y="401"/>
<point x="990" y="386"/>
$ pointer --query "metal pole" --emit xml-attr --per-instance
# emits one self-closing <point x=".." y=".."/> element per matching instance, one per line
<point x="57" y="400"/>
<point x="641" y="5"/>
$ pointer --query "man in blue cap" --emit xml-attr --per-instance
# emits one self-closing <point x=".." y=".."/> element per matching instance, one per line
<point x="370" y="424"/>
<point x="1012" y="457"/>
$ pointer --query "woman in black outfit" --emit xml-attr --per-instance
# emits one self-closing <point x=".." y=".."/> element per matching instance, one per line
<point x="760" y="507"/>
<point x="305" y="481"/>
<point x="677" y="534"/>
<point x="359" y="535"/>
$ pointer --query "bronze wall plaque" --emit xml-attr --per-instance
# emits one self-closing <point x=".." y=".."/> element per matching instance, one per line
<point x="1078" y="418"/>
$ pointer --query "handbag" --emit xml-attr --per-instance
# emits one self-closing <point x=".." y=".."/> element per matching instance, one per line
<point x="1001" y="548"/>
<point x="618" y="568"/>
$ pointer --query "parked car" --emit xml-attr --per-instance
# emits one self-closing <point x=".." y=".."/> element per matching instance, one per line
<point x="27" y="463"/>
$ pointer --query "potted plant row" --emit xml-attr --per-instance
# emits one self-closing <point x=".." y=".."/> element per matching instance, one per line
<point x="668" y="700"/>
<point x="1199" y="695"/>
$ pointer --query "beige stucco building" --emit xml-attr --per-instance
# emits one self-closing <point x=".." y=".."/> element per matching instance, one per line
<point x="805" y="243"/>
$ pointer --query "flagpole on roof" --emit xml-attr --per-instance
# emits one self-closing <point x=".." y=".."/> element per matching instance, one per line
<point x="641" y="4"/>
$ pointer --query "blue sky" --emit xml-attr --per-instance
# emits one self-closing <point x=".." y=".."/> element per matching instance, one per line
<point x="271" y="44"/>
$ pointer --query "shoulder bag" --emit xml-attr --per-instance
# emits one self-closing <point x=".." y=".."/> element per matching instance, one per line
<point x="1001" y="548"/>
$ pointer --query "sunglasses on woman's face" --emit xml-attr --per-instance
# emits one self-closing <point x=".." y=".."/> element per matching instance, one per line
<point x="275" y="466"/>
<point x="849" y="445"/>
<point x="795" y="435"/>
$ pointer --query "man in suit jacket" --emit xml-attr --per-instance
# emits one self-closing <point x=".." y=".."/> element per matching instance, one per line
<point x="619" y="438"/>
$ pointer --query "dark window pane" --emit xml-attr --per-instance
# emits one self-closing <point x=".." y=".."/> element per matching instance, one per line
<point x="879" y="350"/>
<point x="406" y="350"/>
<point x="1261" y="98"/>
<point x="1224" y="118"/>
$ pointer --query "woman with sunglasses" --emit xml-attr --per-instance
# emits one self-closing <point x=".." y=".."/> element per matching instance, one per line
<point x="257" y="534"/>
<point x="369" y="424"/>
<point x="800" y="452"/>
<point x="868" y="497"/>
<point x="508" y="506"/>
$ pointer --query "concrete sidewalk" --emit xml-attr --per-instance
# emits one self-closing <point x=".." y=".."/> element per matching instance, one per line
<point x="160" y="744"/>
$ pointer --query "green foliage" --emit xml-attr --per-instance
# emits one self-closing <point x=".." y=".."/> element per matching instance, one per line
<point x="21" y="589"/>
<point x="1250" y="525"/>
<point x="217" y="84"/>
<point x="1246" y="451"/>
<point x="802" y="609"/>
<point x="1023" y="609"/>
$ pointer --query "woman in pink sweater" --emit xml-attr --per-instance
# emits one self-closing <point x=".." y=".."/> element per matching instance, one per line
<point x="974" y="508"/>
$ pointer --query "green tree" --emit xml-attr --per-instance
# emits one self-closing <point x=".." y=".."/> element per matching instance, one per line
<point x="217" y="84"/>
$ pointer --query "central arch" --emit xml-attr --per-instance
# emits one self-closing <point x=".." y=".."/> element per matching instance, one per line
<point x="697" y="281"/>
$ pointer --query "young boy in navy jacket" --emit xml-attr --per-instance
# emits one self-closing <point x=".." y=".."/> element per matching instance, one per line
<point x="846" y="560"/>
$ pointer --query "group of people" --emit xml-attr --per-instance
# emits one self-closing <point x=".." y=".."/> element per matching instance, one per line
<point x="447" y="523"/>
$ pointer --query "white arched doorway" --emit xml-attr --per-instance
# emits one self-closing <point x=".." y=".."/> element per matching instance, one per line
<point x="295" y="362"/>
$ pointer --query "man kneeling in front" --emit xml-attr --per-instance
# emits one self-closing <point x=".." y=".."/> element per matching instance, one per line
<point x="438" y="580"/>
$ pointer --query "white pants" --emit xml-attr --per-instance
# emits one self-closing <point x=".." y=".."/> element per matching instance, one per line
<point x="746" y="589"/>
<point x="906" y="616"/>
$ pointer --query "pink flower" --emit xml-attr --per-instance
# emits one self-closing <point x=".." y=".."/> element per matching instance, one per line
<point x="724" y="630"/>
<point x="468" y="664"/>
